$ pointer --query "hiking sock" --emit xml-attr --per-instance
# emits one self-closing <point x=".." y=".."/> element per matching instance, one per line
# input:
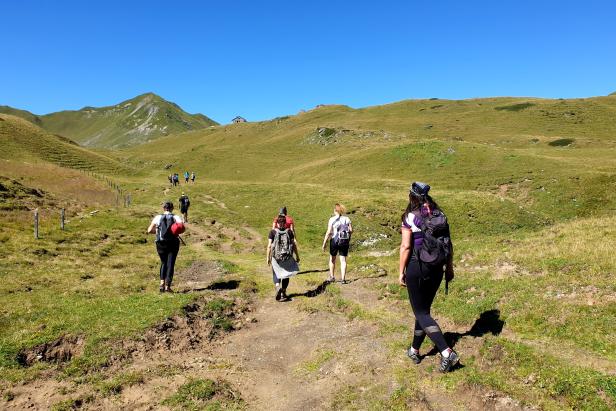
<point x="446" y="353"/>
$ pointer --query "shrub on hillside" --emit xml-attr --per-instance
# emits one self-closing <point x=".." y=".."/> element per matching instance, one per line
<point x="514" y="107"/>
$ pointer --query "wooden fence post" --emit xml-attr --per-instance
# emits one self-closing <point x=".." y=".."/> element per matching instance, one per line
<point x="62" y="219"/>
<point x="36" y="224"/>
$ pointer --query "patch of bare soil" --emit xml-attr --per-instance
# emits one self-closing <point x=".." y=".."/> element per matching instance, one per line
<point x="293" y="360"/>
<point x="164" y="357"/>
<point x="57" y="351"/>
<point x="199" y="276"/>
<point x="228" y="240"/>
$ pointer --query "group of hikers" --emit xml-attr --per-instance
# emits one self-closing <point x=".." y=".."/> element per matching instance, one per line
<point x="282" y="247"/>
<point x="174" y="179"/>
<point x="426" y="256"/>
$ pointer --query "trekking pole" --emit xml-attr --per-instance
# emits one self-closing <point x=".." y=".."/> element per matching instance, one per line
<point x="62" y="219"/>
<point x="182" y="240"/>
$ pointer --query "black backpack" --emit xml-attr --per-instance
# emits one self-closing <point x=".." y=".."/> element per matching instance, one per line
<point x="436" y="248"/>
<point x="164" y="229"/>
<point x="184" y="202"/>
<point x="282" y="246"/>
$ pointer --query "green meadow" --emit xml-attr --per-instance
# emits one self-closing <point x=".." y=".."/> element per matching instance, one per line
<point x="527" y="184"/>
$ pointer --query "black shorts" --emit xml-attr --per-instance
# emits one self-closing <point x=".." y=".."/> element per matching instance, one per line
<point x="335" y="248"/>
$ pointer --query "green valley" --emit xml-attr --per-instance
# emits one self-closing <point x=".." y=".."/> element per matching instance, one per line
<point x="528" y="185"/>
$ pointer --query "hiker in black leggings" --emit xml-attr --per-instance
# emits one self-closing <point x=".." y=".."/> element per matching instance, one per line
<point x="167" y="247"/>
<point x="421" y="279"/>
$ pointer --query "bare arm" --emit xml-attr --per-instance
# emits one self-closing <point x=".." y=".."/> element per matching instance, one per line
<point x="295" y="249"/>
<point x="152" y="229"/>
<point x="269" y="252"/>
<point x="327" y="235"/>
<point x="405" y="251"/>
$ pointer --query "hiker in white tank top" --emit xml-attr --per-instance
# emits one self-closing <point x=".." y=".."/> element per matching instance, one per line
<point x="339" y="229"/>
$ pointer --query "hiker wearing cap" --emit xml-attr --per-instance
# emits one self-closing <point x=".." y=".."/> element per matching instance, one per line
<point x="184" y="204"/>
<point x="339" y="229"/>
<point x="426" y="254"/>
<point x="281" y="246"/>
<point x="167" y="228"/>
<point x="289" y="223"/>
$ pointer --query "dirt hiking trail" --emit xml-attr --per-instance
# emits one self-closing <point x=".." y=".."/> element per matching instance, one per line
<point x="279" y="357"/>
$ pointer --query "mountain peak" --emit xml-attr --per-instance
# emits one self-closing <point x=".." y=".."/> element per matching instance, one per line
<point x="135" y="121"/>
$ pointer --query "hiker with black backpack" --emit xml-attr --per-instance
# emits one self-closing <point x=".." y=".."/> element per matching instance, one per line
<point x="167" y="228"/>
<point x="339" y="229"/>
<point x="290" y="223"/>
<point x="184" y="204"/>
<point x="281" y="246"/>
<point x="426" y="254"/>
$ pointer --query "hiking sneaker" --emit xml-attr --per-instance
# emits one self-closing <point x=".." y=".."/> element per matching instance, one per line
<point x="279" y="292"/>
<point x="414" y="356"/>
<point x="448" y="363"/>
<point x="285" y="297"/>
<point x="162" y="289"/>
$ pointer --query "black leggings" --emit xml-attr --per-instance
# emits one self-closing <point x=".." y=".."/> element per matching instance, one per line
<point x="284" y="282"/>
<point x="167" y="253"/>
<point x="422" y="283"/>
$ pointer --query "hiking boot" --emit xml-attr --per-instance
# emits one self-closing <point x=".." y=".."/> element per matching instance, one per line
<point x="162" y="289"/>
<point x="284" y="296"/>
<point x="414" y="356"/>
<point x="448" y="363"/>
<point x="279" y="292"/>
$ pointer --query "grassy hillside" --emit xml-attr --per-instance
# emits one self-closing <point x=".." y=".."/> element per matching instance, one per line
<point x="25" y="142"/>
<point x="135" y="121"/>
<point x="527" y="184"/>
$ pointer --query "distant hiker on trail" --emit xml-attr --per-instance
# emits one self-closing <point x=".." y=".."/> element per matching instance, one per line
<point x="192" y="177"/>
<point x="186" y="176"/>
<point x="176" y="179"/>
<point x="167" y="228"/>
<point x="184" y="204"/>
<point x="426" y="252"/>
<point x="170" y="177"/>
<point x="281" y="246"/>
<point x="339" y="229"/>
<point x="290" y="224"/>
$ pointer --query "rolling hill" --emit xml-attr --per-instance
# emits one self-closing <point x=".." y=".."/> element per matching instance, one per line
<point x="135" y="121"/>
<point x="22" y="141"/>
<point x="527" y="185"/>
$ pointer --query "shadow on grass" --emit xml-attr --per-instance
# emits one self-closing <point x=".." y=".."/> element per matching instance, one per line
<point x="314" y="292"/>
<point x="488" y="322"/>
<point x="216" y="286"/>
<point x="313" y="271"/>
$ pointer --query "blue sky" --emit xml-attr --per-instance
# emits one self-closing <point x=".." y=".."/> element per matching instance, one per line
<point x="270" y="58"/>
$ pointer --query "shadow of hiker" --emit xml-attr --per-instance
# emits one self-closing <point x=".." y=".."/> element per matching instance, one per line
<point x="488" y="322"/>
<point x="314" y="292"/>
<point x="313" y="271"/>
